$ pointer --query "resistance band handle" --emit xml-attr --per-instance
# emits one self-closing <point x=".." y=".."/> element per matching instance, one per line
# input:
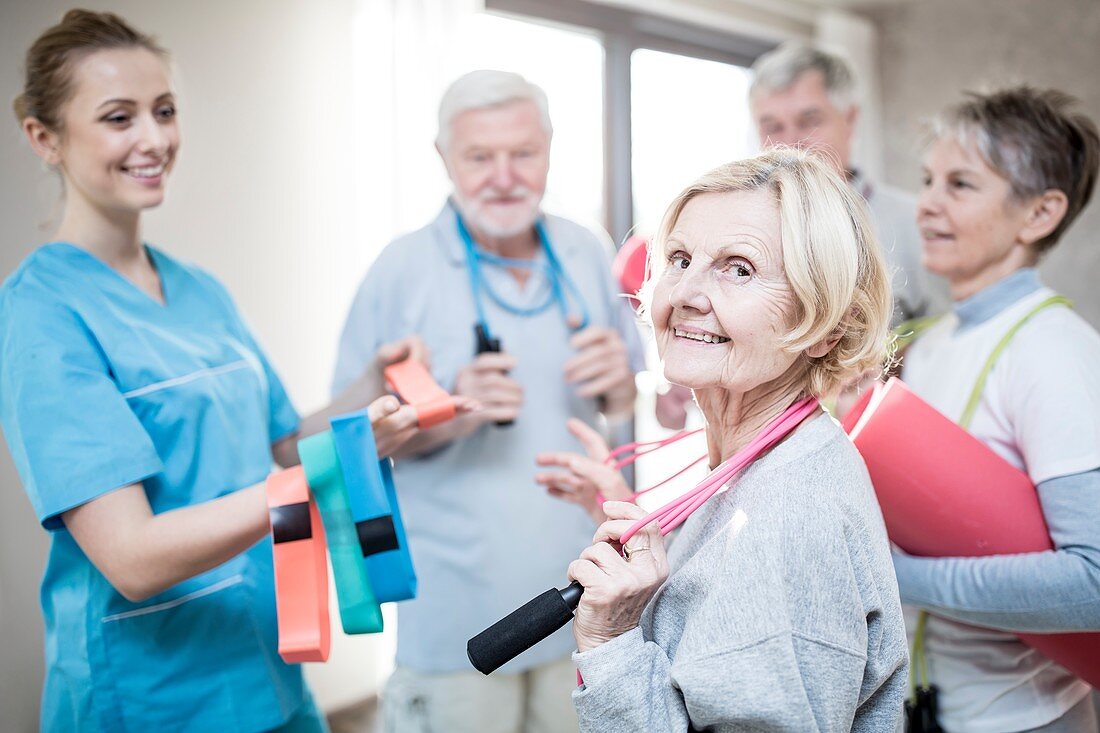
<point x="486" y="345"/>
<point x="523" y="628"/>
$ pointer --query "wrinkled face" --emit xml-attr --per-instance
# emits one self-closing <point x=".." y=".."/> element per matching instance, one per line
<point x="968" y="219"/>
<point x="498" y="159"/>
<point x="803" y="115"/>
<point x="721" y="300"/>
<point x="120" y="135"/>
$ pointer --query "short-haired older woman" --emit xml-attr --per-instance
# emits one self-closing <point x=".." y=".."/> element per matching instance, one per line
<point x="776" y="608"/>
<point x="1005" y="175"/>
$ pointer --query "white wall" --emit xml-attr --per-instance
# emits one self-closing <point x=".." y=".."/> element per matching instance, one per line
<point x="263" y="196"/>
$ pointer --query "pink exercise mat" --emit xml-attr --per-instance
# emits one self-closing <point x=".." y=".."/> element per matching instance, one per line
<point x="944" y="493"/>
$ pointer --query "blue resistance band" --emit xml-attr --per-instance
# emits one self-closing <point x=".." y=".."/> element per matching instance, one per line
<point x="374" y="509"/>
<point x="556" y="276"/>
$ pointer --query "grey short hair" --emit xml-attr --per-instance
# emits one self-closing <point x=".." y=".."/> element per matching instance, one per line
<point x="1033" y="139"/>
<point x="777" y="70"/>
<point x="484" y="89"/>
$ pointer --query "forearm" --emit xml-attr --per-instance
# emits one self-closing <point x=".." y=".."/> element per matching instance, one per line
<point x="628" y="687"/>
<point x="355" y="397"/>
<point x="1057" y="590"/>
<point x="1041" y="591"/>
<point x="185" y="542"/>
<point x="142" y="554"/>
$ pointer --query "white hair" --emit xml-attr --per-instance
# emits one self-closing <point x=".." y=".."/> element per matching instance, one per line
<point x="484" y="89"/>
<point x="778" y="70"/>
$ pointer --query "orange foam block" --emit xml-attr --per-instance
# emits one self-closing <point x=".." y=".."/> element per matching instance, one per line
<point x="944" y="493"/>
<point x="410" y="379"/>
<point x="301" y="568"/>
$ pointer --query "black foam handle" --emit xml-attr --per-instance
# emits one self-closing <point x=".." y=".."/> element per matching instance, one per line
<point x="523" y="628"/>
<point x="489" y="345"/>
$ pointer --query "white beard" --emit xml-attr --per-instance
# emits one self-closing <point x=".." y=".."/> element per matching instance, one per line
<point x="476" y="216"/>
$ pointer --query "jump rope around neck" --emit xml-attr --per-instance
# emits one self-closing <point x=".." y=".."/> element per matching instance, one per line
<point x="543" y="615"/>
<point x="559" y="288"/>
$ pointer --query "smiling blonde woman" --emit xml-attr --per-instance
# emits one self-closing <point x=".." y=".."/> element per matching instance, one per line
<point x="776" y="608"/>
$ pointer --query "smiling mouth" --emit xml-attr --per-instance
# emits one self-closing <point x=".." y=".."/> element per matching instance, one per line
<point x="707" y="338"/>
<point x="930" y="235"/>
<point x="147" y="171"/>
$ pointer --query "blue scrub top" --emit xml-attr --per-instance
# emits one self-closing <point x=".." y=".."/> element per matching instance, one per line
<point x="101" y="387"/>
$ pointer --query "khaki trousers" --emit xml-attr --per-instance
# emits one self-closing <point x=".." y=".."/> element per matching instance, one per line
<point x="535" y="701"/>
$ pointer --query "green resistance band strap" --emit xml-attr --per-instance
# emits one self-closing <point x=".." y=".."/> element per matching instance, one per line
<point x="359" y="610"/>
<point x="907" y="332"/>
<point x="983" y="375"/>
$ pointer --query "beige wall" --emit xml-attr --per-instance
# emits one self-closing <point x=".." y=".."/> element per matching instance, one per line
<point x="931" y="49"/>
<point x="264" y="196"/>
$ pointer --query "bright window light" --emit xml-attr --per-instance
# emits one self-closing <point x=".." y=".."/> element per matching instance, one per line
<point x="568" y="65"/>
<point x="688" y="115"/>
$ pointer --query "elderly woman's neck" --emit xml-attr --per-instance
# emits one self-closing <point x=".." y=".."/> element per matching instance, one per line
<point x="734" y="419"/>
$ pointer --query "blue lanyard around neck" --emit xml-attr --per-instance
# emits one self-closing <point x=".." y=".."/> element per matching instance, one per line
<point x="557" y="278"/>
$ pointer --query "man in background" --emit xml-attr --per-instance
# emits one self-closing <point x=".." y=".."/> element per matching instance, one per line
<point x="552" y="342"/>
<point x="801" y="96"/>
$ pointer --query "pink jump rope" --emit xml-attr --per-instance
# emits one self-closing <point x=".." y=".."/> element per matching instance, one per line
<point x="634" y="451"/>
<point x="548" y="612"/>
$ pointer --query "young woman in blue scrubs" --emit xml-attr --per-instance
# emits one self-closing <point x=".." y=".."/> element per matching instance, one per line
<point x="144" y="418"/>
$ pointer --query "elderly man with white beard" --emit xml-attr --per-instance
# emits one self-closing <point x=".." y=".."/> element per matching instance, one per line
<point x="519" y="311"/>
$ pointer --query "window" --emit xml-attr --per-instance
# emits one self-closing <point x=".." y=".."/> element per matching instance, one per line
<point x="687" y="115"/>
<point x="668" y="58"/>
<point x="568" y="65"/>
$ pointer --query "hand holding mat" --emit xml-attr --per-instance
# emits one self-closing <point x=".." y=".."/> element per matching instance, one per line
<point x="944" y="493"/>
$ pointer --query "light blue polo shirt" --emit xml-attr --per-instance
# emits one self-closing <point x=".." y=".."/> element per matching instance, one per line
<point x="102" y="387"/>
<point x="485" y="538"/>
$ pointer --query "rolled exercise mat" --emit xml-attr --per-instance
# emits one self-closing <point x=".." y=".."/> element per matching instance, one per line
<point x="359" y="611"/>
<point x="630" y="266"/>
<point x="372" y="498"/>
<point x="412" y="381"/>
<point x="301" y="571"/>
<point x="944" y="493"/>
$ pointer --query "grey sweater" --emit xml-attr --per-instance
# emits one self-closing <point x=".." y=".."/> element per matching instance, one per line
<point x="791" y="624"/>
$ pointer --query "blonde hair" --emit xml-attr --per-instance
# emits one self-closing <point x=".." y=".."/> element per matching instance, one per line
<point x="831" y="256"/>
